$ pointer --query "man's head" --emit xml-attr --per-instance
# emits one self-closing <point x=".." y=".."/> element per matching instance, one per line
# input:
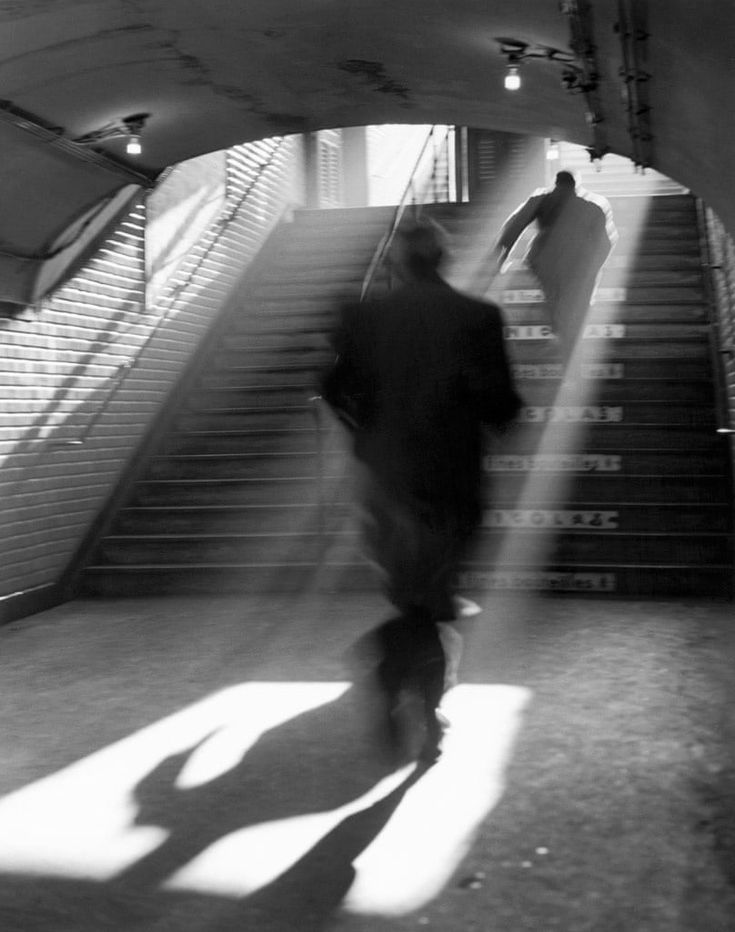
<point x="418" y="249"/>
<point x="565" y="179"/>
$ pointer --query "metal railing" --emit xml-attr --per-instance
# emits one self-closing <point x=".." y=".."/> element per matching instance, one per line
<point x="718" y="260"/>
<point x="423" y="186"/>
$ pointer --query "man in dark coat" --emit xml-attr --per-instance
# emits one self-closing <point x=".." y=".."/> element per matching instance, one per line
<point x="418" y="375"/>
<point x="575" y="234"/>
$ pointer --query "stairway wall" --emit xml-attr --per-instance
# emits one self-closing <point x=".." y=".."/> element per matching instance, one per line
<point x="88" y="370"/>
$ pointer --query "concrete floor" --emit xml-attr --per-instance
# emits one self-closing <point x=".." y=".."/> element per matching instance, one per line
<point x="210" y="764"/>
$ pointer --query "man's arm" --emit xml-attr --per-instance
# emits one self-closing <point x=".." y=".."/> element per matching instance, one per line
<point x="339" y="385"/>
<point x="490" y="379"/>
<point x="512" y="229"/>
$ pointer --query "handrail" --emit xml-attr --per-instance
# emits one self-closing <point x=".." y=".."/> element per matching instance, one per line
<point x="386" y="241"/>
<point x="717" y="350"/>
<point x="215" y="230"/>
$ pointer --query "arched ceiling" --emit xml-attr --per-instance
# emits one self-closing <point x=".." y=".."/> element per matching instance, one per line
<point x="215" y="73"/>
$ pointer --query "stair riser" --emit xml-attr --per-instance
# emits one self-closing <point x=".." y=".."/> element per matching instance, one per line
<point x="643" y="354"/>
<point x="267" y="418"/>
<point x="279" y="549"/>
<point x="250" y="396"/>
<point x="502" y="515"/>
<point x="267" y="350"/>
<point x="615" y="393"/>
<point x="533" y="392"/>
<point x="607" y="490"/>
<point x="614" y="582"/>
<point x="277" y="492"/>
<point x="301" y="378"/>
<point x="501" y="490"/>
<point x="614" y="466"/>
<point x="275" y="466"/>
<point x="598" y="518"/>
<point x="599" y="548"/>
<point x="602" y="548"/>
<point x="276" y="518"/>
<point x="275" y="354"/>
<point x="671" y="320"/>
<point x="632" y="315"/>
<point x="629" y="277"/>
<point x="252" y="419"/>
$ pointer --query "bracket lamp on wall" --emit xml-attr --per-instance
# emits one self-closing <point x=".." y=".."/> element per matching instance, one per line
<point x="512" y="81"/>
<point x="517" y="51"/>
<point x="129" y="128"/>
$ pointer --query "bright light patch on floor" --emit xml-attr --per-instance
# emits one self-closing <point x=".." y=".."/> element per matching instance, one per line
<point x="80" y="822"/>
<point x="423" y="844"/>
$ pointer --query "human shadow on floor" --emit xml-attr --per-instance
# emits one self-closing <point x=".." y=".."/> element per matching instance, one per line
<point x="306" y="896"/>
<point x="316" y="762"/>
<point x="303" y="899"/>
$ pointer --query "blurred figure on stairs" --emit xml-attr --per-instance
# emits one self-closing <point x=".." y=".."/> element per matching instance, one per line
<point x="575" y="235"/>
<point x="418" y="374"/>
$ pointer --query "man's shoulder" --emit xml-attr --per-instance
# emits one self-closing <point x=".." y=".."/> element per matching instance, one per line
<point x="592" y="200"/>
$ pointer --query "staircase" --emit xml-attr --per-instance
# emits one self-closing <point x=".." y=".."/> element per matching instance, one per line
<point x="624" y="490"/>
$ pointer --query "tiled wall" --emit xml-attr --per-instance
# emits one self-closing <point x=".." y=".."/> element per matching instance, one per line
<point x="85" y="372"/>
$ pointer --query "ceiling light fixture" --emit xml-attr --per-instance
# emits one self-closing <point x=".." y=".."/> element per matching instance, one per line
<point x="516" y="51"/>
<point x="512" y="78"/>
<point x="129" y="128"/>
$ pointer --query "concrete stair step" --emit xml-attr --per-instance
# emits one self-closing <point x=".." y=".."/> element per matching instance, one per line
<point x="250" y="396"/>
<point x="218" y="420"/>
<point x="532" y="390"/>
<point x="623" y="580"/>
<point x="213" y="548"/>
<point x="662" y="414"/>
<point x="611" y="547"/>
<point x="608" y="491"/>
<point x="614" y="581"/>
<point x="620" y="275"/>
<point x="612" y="462"/>
<point x="226" y="492"/>
<point x="515" y="293"/>
<point x="273" y="352"/>
<point x="555" y="518"/>
<point x="633" y="371"/>
<point x="612" y="392"/>
<point x="600" y="314"/>
<point x="265" y="417"/>
<point x="592" y="517"/>
<point x="599" y="351"/>
<point x="585" y="490"/>
<point x="257" y="377"/>
<point x="562" y="547"/>
<point x="237" y="464"/>
<point x="208" y="519"/>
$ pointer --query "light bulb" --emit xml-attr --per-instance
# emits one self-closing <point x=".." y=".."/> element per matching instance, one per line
<point x="512" y="78"/>
<point x="133" y="147"/>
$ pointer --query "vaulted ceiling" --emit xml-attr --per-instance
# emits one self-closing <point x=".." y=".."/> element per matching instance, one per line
<point x="215" y="73"/>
